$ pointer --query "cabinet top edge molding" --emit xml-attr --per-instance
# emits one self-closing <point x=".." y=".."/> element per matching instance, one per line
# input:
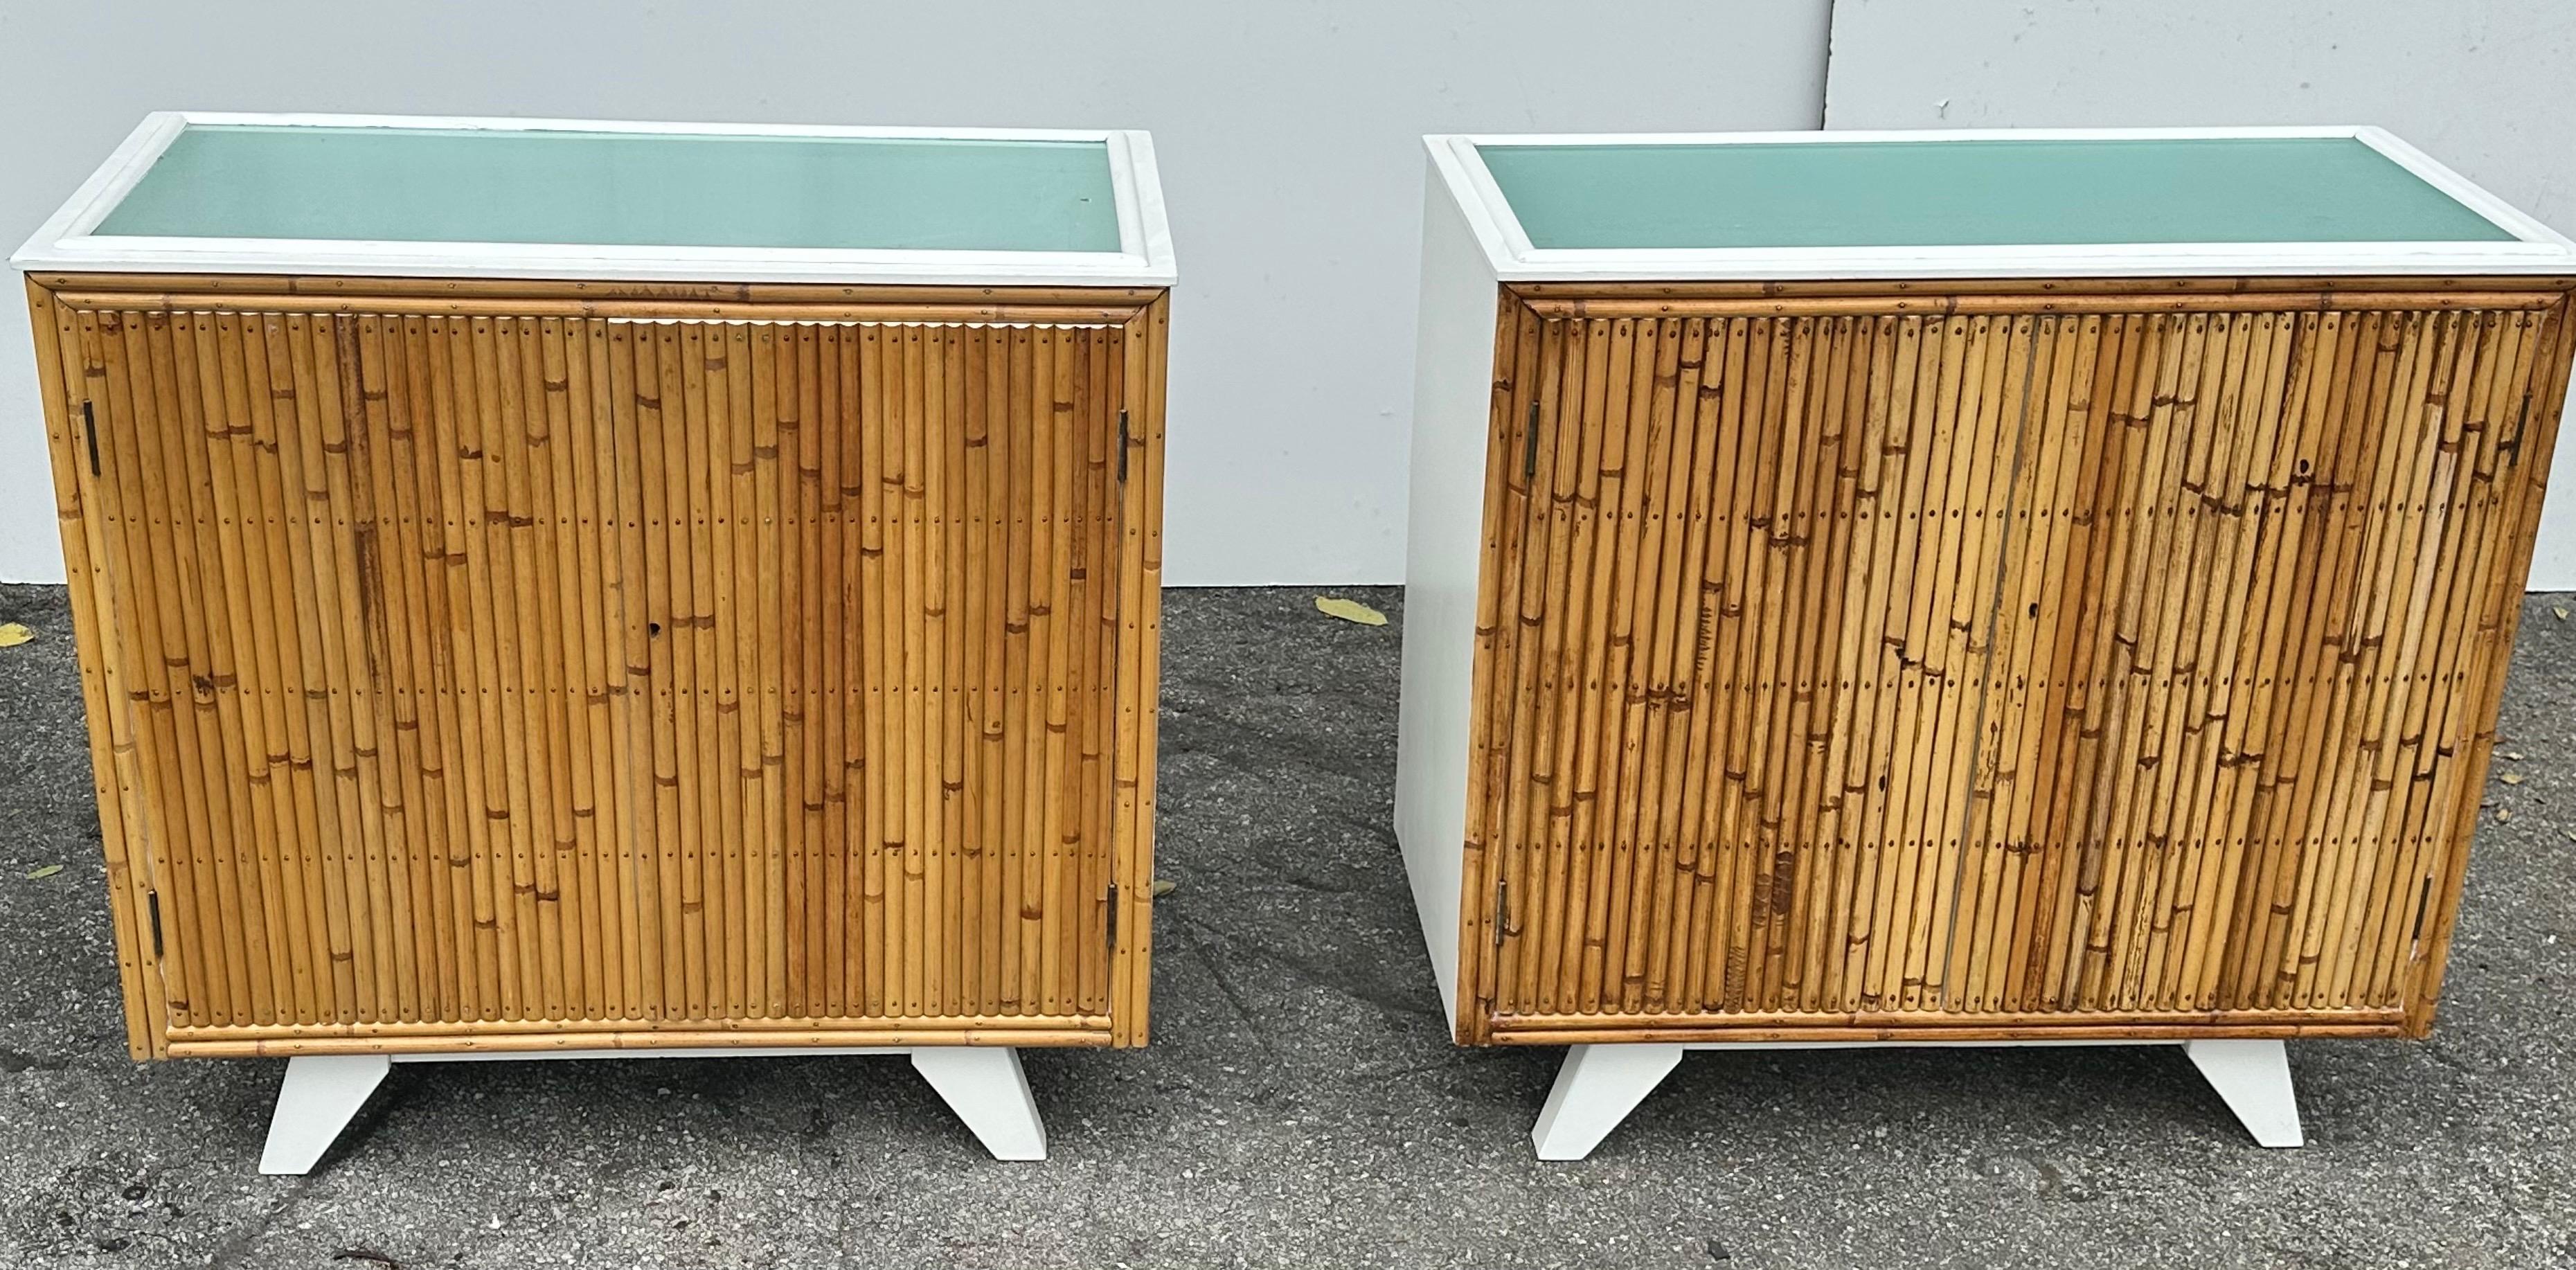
<point x="1979" y="203"/>
<point x="611" y="200"/>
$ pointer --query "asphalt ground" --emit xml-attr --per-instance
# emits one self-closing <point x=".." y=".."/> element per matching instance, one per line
<point x="1300" y="1104"/>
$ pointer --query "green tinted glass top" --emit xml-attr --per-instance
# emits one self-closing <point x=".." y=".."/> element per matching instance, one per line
<point x="1974" y="193"/>
<point x="625" y="189"/>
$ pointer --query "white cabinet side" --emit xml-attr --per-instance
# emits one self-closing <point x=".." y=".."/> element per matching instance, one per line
<point x="1452" y="393"/>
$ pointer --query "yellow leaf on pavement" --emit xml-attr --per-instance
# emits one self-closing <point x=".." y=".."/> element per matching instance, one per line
<point x="1348" y="610"/>
<point x="13" y="634"/>
<point x="45" y="872"/>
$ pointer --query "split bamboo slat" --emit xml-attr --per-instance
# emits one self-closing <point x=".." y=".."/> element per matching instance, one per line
<point x="555" y="665"/>
<point x="1992" y="659"/>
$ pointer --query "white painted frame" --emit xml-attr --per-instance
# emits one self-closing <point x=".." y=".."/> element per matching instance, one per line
<point x="1598" y="1085"/>
<point x="1444" y="554"/>
<point x="66" y="241"/>
<point x="319" y="1094"/>
<point x="2536" y="249"/>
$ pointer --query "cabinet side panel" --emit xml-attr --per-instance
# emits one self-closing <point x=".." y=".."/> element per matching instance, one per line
<point x="2530" y="443"/>
<point x="1453" y="388"/>
<point x="1139" y="653"/>
<point x="59" y="376"/>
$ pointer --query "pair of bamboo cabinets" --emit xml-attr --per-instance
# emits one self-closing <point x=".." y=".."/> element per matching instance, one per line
<point x="549" y="589"/>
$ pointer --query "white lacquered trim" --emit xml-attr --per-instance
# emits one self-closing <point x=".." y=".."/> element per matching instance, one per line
<point x="105" y="187"/>
<point x="1489" y="215"/>
<point x="744" y="1051"/>
<point x="2462" y="190"/>
<point x="2536" y="248"/>
<point x="2035" y="1042"/>
<point x="1143" y="225"/>
<point x="1598" y="1085"/>
<point x="66" y="241"/>
<point x="983" y="1084"/>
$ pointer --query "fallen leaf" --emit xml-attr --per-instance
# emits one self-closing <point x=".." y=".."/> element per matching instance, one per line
<point x="2562" y="614"/>
<point x="2571" y="834"/>
<point x="45" y="872"/>
<point x="2511" y="778"/>
<point x="2503" y="814"/>
<point x="1348" y="610"/>
<point x="1164" y="886"/>
<point x="2515" y="755"/>
<point x="13" y="634"/>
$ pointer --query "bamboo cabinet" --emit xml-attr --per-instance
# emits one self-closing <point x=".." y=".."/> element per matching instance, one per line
<point x="1960" y="588"/>
<point x="553" y="589"/>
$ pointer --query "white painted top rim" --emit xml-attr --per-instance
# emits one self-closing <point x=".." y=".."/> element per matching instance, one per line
<point x="2536" y="248"/>
<point x="65" y="242"/>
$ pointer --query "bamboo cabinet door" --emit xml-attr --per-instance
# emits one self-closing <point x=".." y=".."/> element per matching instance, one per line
<point x="598" y="675"/>
<point x="1871" y="669"/>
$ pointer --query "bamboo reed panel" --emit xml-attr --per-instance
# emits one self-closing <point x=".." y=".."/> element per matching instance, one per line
<point x="572" y="1040"/>
<point x="2418" y="285"/>
<point x="1864" y="661"/>
<point x="664" y="310"/>
<point x="757" y="665"/>
<point x="2047" y="302"/>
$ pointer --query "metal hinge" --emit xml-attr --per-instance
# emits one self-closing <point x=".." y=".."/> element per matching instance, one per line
<point x="1122" y="447"/>
<point x="1113" y="917"/>
<point x="152" y="910"/>
<point x="89" y="428"/>
<point x="1529" y="445"/>
<point x="1502" y="909"/>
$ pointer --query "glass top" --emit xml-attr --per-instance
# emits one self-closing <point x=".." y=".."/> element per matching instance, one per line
<point x="1973" y="193"/>
<point x="625" y="189"/>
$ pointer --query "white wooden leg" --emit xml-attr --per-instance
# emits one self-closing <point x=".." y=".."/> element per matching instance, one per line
<point x="987" y="1089"/>
<point x="314" y="1102"/>
<point x="2253" y="1078"/>
<point x="1596" y="1089"/>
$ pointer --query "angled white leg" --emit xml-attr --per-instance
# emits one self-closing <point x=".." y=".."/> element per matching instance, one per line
<point x="2253" y="1078"/>
<point x="1596" y="1089"/>
<point x="314" y="1102"/>
<point x="985" y="1086"/>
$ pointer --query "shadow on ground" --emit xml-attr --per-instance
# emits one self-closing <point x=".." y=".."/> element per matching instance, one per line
<point x="1300" y="1105"/>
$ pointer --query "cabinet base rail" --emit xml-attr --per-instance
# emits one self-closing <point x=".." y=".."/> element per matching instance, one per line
<point x="1600" y="1084"/>
<point x="321" y="1093"/>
